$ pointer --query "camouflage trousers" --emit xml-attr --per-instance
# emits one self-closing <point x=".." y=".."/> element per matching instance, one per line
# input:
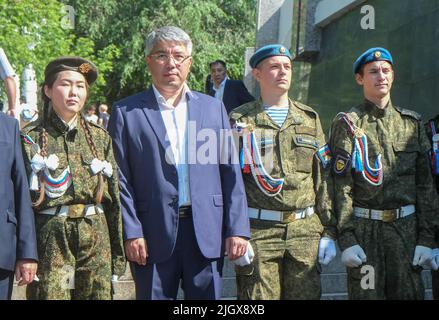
<point x="285" y="264"/>
<point x="74" y="259"/>
<point x="388" y="272"/>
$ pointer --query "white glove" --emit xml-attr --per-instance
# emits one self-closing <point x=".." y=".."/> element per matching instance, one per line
<point x="327" y="250"/>
<point x="353" y="256"/>
<point x="423" y="257"/>
<point x="247" y="258"/>
<point x="435" y="259"/>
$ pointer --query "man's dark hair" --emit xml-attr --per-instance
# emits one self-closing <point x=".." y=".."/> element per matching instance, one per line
<point x="218" y="62"/>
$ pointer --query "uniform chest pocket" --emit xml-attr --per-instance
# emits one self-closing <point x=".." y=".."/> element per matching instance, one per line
<point x="304" y="148"/>
<point x="406" y="153"/>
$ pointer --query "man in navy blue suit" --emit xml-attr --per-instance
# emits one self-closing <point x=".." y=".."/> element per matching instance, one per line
<point x="183" y="199"/>
<point x="232" y="93"/>
<point x="18" y="249"/>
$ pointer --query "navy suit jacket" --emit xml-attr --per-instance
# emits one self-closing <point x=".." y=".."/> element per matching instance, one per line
<point x="235" y="94"/>
<point x="149" y="183"/>
<point x="17" y="225"/>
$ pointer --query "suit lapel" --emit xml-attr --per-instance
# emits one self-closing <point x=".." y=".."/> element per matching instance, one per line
<point x="154" y="117"/>
<point x="195" y="113"/>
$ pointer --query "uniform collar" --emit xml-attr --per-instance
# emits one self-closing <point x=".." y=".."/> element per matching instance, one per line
<point x="60" y="125"/>
<point x="372" y="109"/>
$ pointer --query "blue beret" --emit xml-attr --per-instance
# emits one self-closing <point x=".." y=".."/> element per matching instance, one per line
<point x="372" y="54"/>
<point x="269" y="51"/>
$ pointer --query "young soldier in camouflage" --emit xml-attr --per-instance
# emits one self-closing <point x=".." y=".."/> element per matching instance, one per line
<point x="286" y="234"/>
<point x="74" y="186"/>
<point x="432" y="127"/>
<point x="383" y="188"/>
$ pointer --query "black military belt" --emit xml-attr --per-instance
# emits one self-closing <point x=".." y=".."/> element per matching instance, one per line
<point x="185" y="212"/>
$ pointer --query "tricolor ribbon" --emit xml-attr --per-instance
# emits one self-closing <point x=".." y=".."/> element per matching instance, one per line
<point x="251" y="161"/>
<point x="39" y="163"/>
<point x="360" y="158"/>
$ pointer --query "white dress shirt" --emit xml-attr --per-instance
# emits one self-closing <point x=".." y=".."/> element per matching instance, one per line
<point x="176" y="123"/>
<point x="219" y="92"/>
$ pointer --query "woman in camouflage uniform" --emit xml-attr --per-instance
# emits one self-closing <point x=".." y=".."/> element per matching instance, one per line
<point x="74" y="187"/>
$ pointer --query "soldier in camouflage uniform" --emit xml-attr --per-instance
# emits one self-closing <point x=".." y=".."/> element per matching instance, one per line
<point x="432" y="127"/>
<point x="75" y="190"/>
<point x="288" y="238"/>
<point x="383" y="190"/>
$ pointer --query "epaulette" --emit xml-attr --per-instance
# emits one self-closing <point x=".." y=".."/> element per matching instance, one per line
<point x="304" y="107"/>
<point x="243" y="110"/>
<point x="96" y="126"/>
<point x="30" y="127"/>
<point x="410" y="113"/>
<point x="354" y="114"/>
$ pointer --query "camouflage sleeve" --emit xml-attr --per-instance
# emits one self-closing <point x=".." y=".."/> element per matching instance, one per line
<point x="323" y="185"/>
<point x="26" y="145"/>
<point x="341" y="149"/>
<point x="427" y="202"/>
<point x="114" y="216"/>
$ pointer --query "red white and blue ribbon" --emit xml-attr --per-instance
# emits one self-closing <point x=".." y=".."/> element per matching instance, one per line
<point x="55" y="187"/>
<point x="360" y="157"/>
<point x="27" y="139"/>
<point x="251" y="162"/>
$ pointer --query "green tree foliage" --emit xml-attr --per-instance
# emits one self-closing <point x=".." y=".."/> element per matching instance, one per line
<point x="34" y="32"/>
<point x="220" y="29"/>
<point x="111" y="33"/>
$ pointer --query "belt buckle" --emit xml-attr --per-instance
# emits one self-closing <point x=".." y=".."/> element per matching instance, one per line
<point x="389" y="215"/>
<point x="288" y="217"/>
<point x="77" y="211"/>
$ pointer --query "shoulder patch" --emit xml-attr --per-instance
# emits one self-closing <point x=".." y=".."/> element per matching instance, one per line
<point x="324" y="155"/>
<point x="410" y="113"/>
<point x="341" y="163"/>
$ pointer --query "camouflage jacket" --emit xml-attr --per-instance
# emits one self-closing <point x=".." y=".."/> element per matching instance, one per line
<point x="72" y="149"/>
<point x="291" y="154"/>
<point x="398" y="135"/>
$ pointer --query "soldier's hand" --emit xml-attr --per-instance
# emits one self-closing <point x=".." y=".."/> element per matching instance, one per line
<point x="136" y="250"/>
<point x="423" y="257"/>
<point x="25" y="271"/>
<point x="247" y="258"/>
<point x="327" y="250"/>
<point x="235" y="247"/>
<point x="353" y="257"/>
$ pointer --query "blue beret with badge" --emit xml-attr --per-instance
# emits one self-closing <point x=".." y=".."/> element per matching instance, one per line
<point x="269" y="51"/>
<point x="370" y="55"/>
